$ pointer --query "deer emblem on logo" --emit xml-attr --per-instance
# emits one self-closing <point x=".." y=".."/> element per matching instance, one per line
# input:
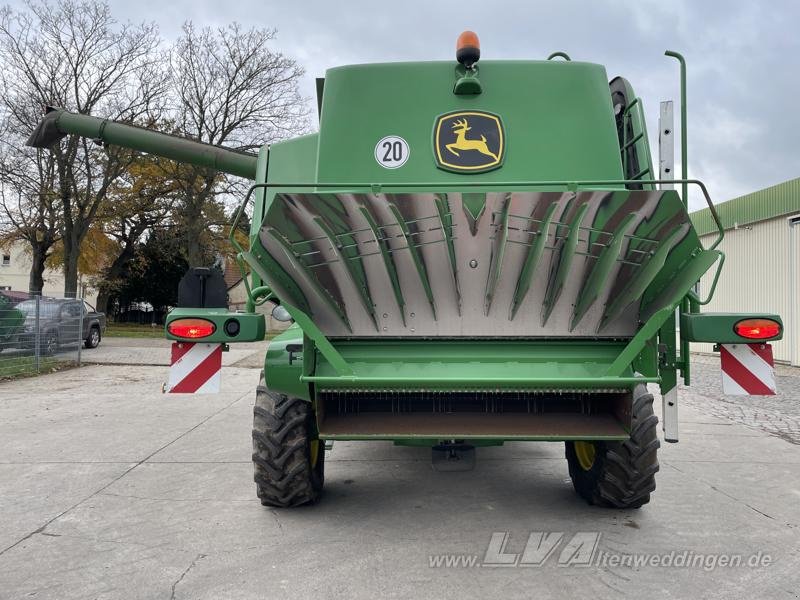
<point x="456" y="149"/>
<point x="460" y="129"/>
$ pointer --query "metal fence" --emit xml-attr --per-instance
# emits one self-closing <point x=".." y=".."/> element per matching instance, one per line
<point x="39" y="334"/>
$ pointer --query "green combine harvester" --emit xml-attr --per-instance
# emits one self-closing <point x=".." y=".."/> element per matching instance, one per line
<point x="470" y="254"/>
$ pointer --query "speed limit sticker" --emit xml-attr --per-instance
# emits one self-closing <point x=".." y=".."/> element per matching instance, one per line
<point x="391" y="152"/>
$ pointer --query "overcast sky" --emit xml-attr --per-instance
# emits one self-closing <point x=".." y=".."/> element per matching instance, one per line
<point x="743" y="58"/>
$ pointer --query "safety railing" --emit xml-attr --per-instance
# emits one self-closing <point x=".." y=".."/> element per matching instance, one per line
<point x="39" y="334"/>
<point x="635" y="141"/>
<point x="567" y="186"/>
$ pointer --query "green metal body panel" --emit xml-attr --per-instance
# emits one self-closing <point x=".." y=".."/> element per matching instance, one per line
<point x="259" y="201"/>
<point x="458" y="364"/>
<point x="718" y="327"/>
<point x="557" y="115"/>
<point x="295" y="159"/>
<point x="425" y="440"/>
<point x="251" y="325"/>
<point x="279" y="374"/>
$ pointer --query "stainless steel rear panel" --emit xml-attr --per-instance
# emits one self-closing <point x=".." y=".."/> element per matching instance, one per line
<point x="501" y="264"/>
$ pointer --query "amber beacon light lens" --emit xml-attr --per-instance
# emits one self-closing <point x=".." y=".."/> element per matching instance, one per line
<point x="191" y="328"/>
<point x="468" y="48"/>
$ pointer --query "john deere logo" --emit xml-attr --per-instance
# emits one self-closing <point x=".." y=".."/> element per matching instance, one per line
<point x="468" y="141"/>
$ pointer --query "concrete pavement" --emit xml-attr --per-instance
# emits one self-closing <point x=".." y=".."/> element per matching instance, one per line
<point x="112" y="490"/>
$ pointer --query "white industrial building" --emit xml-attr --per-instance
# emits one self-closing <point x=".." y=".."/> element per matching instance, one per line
<point x="762" y="260"/>
<point x="15" y="269"/>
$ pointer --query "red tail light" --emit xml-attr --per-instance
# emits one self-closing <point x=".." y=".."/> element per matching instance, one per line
<point x="757" y="329"/>
<point x="191" y="328"/>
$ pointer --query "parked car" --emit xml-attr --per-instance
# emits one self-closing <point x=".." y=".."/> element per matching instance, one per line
<point x="59" y="320"/>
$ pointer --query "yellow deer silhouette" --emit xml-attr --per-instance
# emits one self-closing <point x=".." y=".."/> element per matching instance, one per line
<point x="460" y="128"/>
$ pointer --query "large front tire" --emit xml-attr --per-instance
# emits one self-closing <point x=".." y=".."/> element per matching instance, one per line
<point x="619" y="474"/>
<point x="288" y="458"/>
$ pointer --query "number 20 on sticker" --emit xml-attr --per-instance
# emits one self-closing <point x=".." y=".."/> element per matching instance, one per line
<point x="391" y="152"/>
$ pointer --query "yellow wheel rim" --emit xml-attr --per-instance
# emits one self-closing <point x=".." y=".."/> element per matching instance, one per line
<point x="314" y="452"/>
<point x="585" y="451"/>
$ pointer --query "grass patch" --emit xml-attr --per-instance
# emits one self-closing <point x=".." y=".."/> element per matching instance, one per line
<point x="15" y="367"/>
<point x="134" y="330"/>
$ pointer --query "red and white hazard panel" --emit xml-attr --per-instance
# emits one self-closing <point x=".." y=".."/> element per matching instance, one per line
<point x="747" y="370"/>
<point x="195" y="368"/>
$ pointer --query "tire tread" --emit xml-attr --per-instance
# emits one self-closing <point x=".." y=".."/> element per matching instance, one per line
<point x="281" y="458"/>
<point x="625" y="475"/>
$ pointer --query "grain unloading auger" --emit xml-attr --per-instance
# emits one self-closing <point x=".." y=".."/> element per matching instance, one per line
<point x="470" y="256"/>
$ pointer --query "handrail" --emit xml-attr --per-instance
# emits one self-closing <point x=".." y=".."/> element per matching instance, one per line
<point x="684" y="153"/>
<point x="693" y="295"/>
<point x="686" y="305"/>
<point x="633" y="117"/>
<point x="559" y="54"/>
<point x="571" y="186"/>
<point x="253" y="295"/>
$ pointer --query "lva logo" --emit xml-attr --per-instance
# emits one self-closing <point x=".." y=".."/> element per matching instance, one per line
<point x="579" y="550"/>
<point x="554" y="548"/>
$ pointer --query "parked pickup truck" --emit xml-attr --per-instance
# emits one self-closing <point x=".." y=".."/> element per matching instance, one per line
<point x="59" y="320"/>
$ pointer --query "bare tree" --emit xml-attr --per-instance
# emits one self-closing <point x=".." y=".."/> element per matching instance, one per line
<point x="74" y="55"/>
<point x="231" y="89"/>
<point x="30" y="209"/>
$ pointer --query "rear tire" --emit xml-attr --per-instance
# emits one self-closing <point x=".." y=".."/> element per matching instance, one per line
<point x="288" y="457"/>
<point x="619" y="474"/>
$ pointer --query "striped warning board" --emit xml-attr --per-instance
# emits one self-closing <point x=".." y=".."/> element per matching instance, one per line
<point x="747" y="370"/>
<point x="195" y="368"/>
